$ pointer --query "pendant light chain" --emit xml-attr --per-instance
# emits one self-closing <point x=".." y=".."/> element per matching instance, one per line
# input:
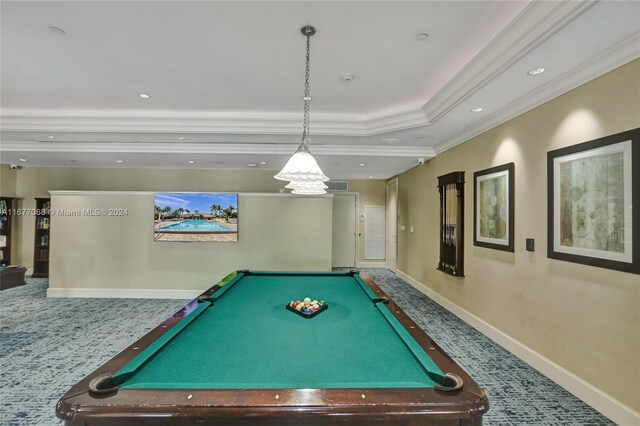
<point x="302" y="171"/>
<point x="306" y="136"/>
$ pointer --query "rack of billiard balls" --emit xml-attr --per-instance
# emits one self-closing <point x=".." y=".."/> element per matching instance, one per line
<point x="306" y="307"/>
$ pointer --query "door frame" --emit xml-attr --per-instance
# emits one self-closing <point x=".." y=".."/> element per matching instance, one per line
<point x="357" y="224"/>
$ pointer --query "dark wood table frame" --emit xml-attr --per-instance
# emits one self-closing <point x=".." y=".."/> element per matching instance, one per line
<point x="423" y="406"/>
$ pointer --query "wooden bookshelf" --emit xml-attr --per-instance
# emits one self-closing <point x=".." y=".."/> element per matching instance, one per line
<point x="6" y="204"/>
<point x="41" y="241"/>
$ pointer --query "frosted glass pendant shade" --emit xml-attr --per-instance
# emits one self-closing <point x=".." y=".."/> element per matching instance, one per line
<point x="302" y="167"/>
<point x="307" y="188"/>
<point x="306" y="185"/>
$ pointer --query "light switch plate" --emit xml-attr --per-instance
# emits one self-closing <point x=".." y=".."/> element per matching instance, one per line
<point x="530" y="244"/>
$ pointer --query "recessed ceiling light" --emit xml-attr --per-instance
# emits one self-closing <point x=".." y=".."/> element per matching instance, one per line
<point x="73" y="161"/>
<point x="420" y="137"/>
<point x="252" y="165"/>
<point x="50" y="137"/>
<point x="144" y="96"/>
<point x="56" y="30"/>
<point x="361" y="164"/>
<point x="348" y="77"/>
<point x="180" y="138"/>
<point x="390" y="141"/>
<point x="422" y="36"/>
<point x="191" y="162"/>
<point x="22" y="159"/>
<point x="476" y="109"/>
<point x="119" y="161"/>
<point x="536" y="71"/>
<point x="370" y="177"/>
<point x="263" y="162"/>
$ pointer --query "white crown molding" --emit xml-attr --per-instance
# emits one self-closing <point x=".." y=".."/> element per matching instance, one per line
<point x="624" y="52"/>
<point x="375" y="151"/>
<point x="83" y="193"/>
<point x="408" y="117"/>
<point x="536" y="23"/>
<point x="241" y="194"/>
<point x="212" y="148"/>
<point x="175" y="122"/>
<point x="217" y="123"/>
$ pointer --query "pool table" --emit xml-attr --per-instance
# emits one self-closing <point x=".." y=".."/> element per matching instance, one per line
<point x="235" y="355"/>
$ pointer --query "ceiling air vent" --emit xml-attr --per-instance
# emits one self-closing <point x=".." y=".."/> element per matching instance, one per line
<point x="337" y="185"/>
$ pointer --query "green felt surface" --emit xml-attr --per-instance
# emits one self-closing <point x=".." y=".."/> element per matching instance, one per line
<point x="135" y="364"/>
<point x="247" y="339"/>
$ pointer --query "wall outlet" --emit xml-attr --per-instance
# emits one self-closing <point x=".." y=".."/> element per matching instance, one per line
<point x="411" y="229"/>
<point x="402" y="227"/>
<point x="530" y="244"/>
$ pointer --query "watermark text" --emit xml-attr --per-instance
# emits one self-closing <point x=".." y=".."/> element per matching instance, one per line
<point x="66" y="212"/>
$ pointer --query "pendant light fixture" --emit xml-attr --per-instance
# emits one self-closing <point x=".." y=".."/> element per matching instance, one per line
<point x="307" y="188"/>
<point x="302" y="170"/>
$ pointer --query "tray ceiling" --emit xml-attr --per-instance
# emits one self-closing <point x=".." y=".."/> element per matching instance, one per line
<point x="225" y="79"/>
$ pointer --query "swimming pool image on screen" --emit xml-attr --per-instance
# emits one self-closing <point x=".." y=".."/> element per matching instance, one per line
<point x="195" y="225"/>
<point x="195" y="217"/>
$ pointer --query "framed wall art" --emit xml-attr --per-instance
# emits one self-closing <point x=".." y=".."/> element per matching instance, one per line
<point x="493" y="208"/>
<point x="195" y="217"/>
<point x="592" y="188"/>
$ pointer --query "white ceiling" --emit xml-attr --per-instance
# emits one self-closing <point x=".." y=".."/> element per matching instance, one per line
<point x="227" y="78"/>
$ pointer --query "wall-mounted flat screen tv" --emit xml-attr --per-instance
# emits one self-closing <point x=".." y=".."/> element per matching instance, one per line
<point x="195" y="217"/>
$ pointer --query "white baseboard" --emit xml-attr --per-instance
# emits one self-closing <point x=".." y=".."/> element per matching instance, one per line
<point x="366" y="264"/>
<point x="605" y="404"/>
<point x="123" y="293"/>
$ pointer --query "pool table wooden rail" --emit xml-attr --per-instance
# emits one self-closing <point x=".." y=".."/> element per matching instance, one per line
<point x="424" y="406"/>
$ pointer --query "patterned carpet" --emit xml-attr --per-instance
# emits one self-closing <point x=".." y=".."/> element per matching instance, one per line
<point x="47" y="345"/>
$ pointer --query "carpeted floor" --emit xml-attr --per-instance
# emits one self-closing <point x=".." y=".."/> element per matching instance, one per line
<point x="47" y="345"/>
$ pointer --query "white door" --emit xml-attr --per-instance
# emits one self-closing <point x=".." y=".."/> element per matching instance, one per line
<point x="392" y="224"/>
<point x="344" y="231"/>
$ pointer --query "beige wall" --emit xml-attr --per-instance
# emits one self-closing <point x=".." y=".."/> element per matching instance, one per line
<point x="7" y="181"/>
<point x="583" y="318"/>
<point x="276" y="232"/>
<point x="38" y="181"/>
